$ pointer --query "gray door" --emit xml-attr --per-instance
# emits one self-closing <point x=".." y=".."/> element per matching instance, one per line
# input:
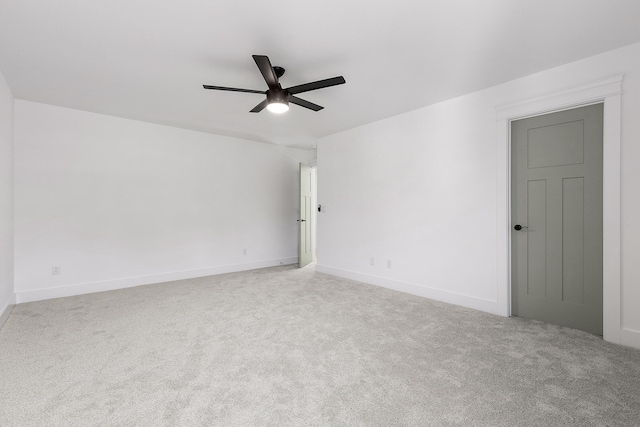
<point x="304" y="247"/>
<point x="556" y="203"/>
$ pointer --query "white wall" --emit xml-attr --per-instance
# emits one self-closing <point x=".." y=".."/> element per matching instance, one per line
<point x="116" y="202"/>
<point x="6" y="199"/>
<point x="419" y="189"/>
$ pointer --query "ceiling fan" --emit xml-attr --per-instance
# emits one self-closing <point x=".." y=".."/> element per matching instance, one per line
<point x="278" y="99"/>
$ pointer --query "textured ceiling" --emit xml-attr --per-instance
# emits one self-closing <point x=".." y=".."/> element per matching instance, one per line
<point x="147" y="59"/>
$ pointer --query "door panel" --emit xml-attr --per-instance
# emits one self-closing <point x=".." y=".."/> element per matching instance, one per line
<point x="536" y="278"/>
<point x="557" y="195"/>
<point x="573" y="240"/>
<point x="304" y="245"/>
<point x="555" y="145"/>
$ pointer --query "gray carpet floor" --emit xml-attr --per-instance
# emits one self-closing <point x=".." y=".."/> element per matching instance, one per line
<point x="291" y="347"/>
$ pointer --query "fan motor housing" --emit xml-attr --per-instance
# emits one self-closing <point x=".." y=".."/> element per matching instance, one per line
<point x="278" y="96"/>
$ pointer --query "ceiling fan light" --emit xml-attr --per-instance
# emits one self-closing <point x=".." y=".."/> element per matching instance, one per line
<point x="277" y="101"/>
<point x="278" y="107"/>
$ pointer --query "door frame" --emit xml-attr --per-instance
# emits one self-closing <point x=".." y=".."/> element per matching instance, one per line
<point x="607" y="91"/>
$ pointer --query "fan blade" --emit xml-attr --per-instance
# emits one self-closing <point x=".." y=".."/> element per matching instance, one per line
<point x="267" y="71"/>
<point x="303" y="103"/>
<point x="259" y="107"/>
<point x="233" y="89"/>
<point x="316" y="85"/>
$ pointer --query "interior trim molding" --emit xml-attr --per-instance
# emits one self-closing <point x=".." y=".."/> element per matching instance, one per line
<point x="6" y="309"/>
<point x="630" y="338"/>
<point x="575" y="96"/>
<point x="607" y="90"/>
<point x="129" y="282"/>
<point x="414" y="289"/>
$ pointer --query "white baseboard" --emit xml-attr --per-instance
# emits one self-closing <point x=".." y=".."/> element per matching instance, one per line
<point x="6" y="308"/>
<point x="630" y="338"/>
<point x="414" y="289"/>
<point x="129" y="282"/>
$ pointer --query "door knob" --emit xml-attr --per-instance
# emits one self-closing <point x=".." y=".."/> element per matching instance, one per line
<point x="519" y="227"/>
<point x="301" y="220"/>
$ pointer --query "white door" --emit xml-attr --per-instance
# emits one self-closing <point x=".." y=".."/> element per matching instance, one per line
<point x="557" y="218"/>
<point x="304" y="248"/>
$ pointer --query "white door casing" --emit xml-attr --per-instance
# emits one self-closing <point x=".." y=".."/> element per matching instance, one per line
<point x="608" y="91"/>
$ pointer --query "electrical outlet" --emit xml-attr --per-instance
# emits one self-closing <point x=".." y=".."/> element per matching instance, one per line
<point x="388" y="263"/>
<point x="372" y="261"/>
<point x="55" y="270"/>
<point x="244" y="251"/>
